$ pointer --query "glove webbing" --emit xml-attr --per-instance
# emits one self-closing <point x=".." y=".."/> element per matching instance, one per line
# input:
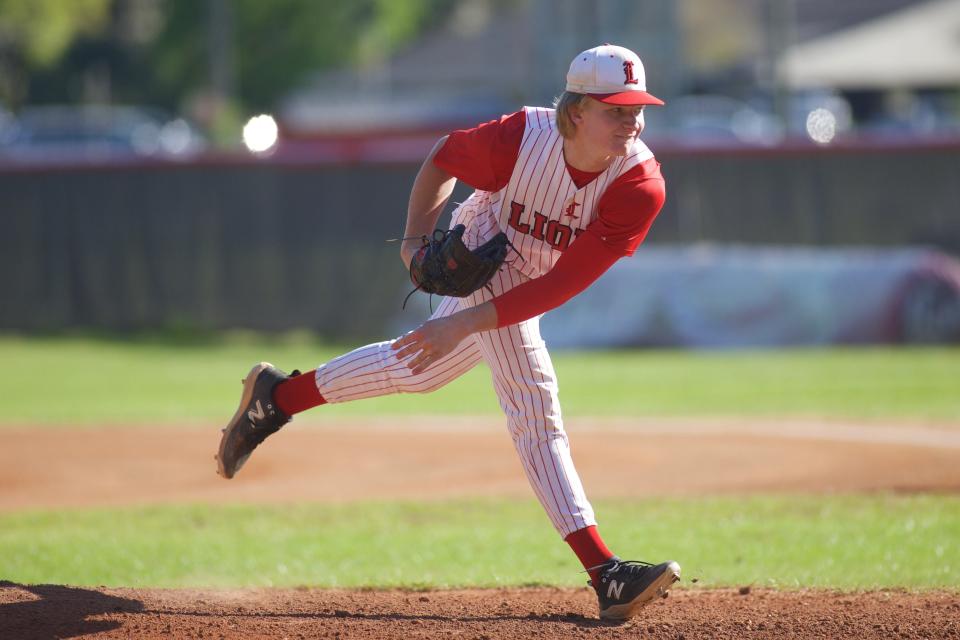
<point x="439" y="237"/>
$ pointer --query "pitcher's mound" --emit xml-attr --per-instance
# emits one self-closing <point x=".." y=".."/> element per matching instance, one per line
<point x="49" y="611"/>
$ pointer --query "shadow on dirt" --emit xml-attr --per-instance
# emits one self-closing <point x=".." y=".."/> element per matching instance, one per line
<point x="56" y="611"/>
<point x="572" y="619"/>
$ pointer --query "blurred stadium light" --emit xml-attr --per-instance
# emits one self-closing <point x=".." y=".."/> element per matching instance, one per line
<point x="260" y="134"/>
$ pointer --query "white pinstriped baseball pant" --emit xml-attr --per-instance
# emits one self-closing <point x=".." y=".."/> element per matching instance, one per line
<point x="525" y="383"/>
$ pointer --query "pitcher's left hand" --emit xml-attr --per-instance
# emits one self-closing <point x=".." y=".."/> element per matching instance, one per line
<point x="430" y="342"/>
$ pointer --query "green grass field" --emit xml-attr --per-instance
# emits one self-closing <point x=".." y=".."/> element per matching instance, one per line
<point x="84" y="380"/>
<point x="846" y="542"/>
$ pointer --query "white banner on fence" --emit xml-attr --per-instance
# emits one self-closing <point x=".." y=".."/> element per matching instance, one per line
<point x="740" y="296"/>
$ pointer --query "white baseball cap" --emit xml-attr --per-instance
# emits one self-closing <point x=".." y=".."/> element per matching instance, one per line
<point x="610" y="74"/>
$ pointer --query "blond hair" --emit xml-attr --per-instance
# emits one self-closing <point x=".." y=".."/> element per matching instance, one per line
<point x="567" y="101"/>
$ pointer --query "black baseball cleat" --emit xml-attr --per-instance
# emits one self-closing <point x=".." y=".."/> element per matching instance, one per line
<point x="255" y="419"/>
<point x="627" y="585"/>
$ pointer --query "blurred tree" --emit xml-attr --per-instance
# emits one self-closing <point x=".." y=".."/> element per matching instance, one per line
<point x="274" y="46"/>
<point x="34" y="35"/>
<point x="217" y="59"/>
<point x="721" y="32"/>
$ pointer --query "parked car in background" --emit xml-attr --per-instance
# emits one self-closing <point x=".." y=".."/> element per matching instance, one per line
<point x="905" y="115"/>
<point x="83" y="133"/>
<point x="711" y="119"/>
<point x="6" y="124"/>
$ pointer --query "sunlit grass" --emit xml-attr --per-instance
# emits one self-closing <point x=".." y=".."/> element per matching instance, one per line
<point x="846" y="542"/>
<point x="113" y="381"/>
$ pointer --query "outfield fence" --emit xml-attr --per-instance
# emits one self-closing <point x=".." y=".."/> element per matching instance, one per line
<point x="301" y="242"/>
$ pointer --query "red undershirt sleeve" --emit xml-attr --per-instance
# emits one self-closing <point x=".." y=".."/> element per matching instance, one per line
<point x="629" y="206"/>
<point x="485" y="155"/>
<point x="580" y="265"/>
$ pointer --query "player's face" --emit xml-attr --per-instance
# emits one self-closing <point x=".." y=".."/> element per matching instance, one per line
<point x="611" y="128"/>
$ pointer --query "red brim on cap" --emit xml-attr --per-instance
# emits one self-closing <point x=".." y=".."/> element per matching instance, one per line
<point x="627" y="98"/>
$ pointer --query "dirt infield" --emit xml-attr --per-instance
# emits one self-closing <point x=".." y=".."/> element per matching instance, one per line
<point x="436" y="459"/>
<point x="62" y="612"/>
<point x="439" y="459"/>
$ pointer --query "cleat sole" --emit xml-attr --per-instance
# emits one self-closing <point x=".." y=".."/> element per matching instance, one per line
<point x="248" y="384"/>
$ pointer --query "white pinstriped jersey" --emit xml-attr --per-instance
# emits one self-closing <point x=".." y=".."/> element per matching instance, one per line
<point x="541" y="209"/>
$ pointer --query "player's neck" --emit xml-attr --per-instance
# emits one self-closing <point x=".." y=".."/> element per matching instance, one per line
<point x="582" y="156"/>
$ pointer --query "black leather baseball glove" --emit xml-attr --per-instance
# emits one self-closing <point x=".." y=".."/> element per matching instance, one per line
<point x="445" y="266"/>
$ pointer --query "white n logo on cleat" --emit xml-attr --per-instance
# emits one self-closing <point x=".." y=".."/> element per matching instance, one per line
<point x="256" y="415"/>
<point x="615" y="589"/>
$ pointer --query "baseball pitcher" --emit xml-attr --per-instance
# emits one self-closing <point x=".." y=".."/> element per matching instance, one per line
<point x="560" y="195"/>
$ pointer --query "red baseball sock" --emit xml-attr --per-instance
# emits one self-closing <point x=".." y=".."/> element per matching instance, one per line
<point x="590" y="548"/>
<point x="298" y="393"/>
